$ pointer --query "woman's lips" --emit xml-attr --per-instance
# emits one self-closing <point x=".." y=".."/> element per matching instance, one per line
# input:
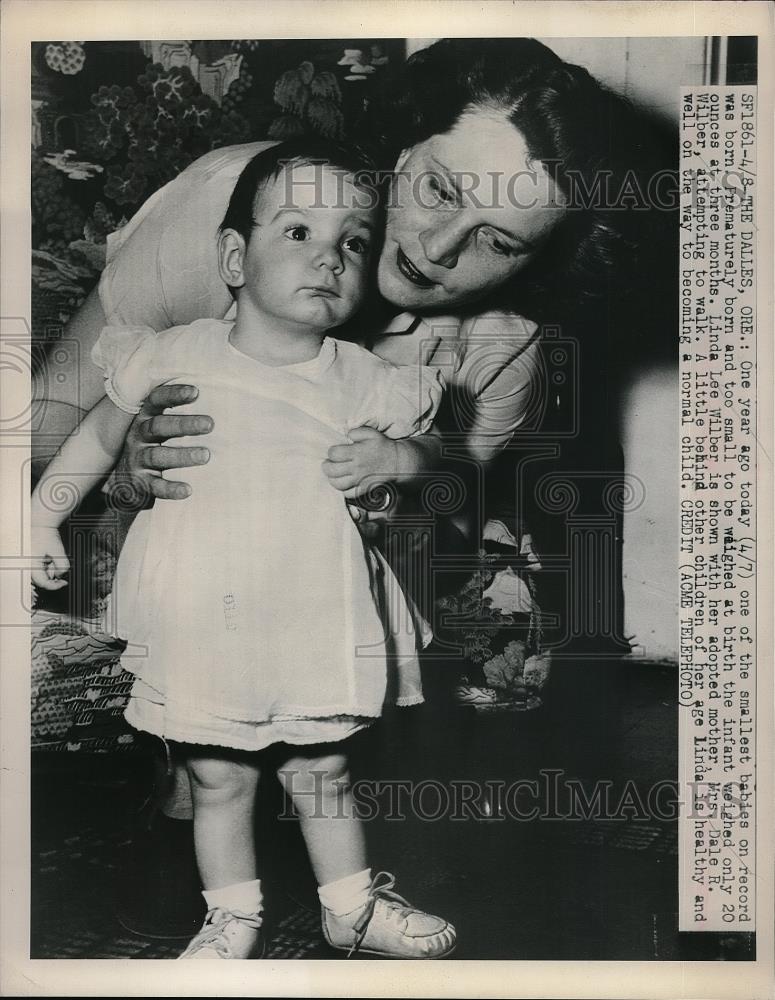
<point x="410" y="272"/>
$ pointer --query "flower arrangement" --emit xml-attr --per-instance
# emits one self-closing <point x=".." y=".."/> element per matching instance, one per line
<point x="504" y="666"/>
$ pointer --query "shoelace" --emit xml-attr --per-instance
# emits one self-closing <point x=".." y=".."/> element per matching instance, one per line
<point x="213" y="934"/>
<point x="376" y="891"/>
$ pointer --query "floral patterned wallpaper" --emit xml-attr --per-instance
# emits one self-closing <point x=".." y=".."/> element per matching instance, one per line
<point x="114" y="121"/>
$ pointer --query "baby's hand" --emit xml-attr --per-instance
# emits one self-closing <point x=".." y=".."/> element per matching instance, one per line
<point x="49" y="559"/>
<point x="357" y="468"/>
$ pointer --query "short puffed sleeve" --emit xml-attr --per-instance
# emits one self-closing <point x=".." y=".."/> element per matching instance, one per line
<point x="126" y="356"/>
<point x="501" y="377"/>
<point x="400" y="401"/>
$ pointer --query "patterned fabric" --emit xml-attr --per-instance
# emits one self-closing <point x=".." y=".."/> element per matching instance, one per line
<point x="79" y="689"/>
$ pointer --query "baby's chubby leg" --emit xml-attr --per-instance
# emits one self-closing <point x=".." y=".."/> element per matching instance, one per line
<point x="318" y="784"/>
<point x="358" y="913"/>
<point x="223" y="788"/>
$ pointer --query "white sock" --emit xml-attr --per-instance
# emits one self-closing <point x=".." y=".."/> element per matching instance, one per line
<point x="242" y="897"/>
<point x="346" y="894"/>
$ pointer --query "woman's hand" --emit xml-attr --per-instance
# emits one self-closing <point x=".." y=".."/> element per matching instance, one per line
<point x="146" y="457"/>
<point x="356" y="469"/>
<point x="50" y="562"/>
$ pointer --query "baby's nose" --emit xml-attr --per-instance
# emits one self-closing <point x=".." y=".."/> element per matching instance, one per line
<point x="328" y="256"/>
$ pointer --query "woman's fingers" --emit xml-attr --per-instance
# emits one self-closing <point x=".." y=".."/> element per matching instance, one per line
<point x="162" y="457"/>
<point x="170" y="425"/>
<point x="165" y="489"/>
<point x="163" y="396"/>
<point x="142" y="465"/>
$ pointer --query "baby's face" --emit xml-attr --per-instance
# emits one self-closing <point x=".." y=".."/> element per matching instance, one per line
<point x="307" y="261"/>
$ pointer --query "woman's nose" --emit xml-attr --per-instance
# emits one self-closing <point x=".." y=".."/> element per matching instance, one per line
<point x="441" y="243"/>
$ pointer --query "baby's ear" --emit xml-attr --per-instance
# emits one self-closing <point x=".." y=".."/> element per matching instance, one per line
<point x="231" y="257"/>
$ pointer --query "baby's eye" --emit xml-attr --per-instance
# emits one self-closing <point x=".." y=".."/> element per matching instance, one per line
<point x="297" y="233"/>
<point x="356" y="244"/>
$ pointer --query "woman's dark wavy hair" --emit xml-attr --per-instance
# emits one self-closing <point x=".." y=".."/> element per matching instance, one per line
<point x="589" y="139"/>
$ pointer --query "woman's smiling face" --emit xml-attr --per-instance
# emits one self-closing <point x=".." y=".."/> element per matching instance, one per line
<point x="468" y="210"/>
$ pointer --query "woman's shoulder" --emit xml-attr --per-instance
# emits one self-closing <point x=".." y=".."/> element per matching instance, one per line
<point x="497" y="339"/>
<point x="497" y="323"/>
<point x="207" y="180"/>
<point x="229" y="160"/>
<point x="490" y="324"/>
<point x="490" y="340"/>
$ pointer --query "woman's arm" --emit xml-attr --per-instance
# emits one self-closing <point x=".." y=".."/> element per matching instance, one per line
<point x="493" y="411"/>
<point x="65" y="389"/>
<point x="82" y="461"/>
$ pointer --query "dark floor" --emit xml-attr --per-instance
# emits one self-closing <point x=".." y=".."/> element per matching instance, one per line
<point x="604" y="887"/>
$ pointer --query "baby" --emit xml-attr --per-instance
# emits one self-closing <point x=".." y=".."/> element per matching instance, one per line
<point x="211" y="594"/>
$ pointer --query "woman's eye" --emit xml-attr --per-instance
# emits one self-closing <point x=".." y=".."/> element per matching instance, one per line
<point x="440" y="191"/>
<point x="356" y="244"/>
<point x="501" y="248"/>
<point x="297" y="233"/>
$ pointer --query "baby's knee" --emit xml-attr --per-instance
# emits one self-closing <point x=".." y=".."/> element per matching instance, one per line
<point x="221" y="775"/>
<point x="306" y="777"/>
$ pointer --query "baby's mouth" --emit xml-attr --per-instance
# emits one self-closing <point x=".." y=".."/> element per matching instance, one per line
<point x="410" y="272"/>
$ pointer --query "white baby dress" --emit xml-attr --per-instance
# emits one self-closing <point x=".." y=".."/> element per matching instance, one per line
<point x="255" y="603"/>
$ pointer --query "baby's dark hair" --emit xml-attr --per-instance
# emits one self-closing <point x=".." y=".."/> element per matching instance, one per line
<point x="267" y="165"/>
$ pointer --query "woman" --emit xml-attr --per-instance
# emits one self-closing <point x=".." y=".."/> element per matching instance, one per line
<point x="493" y="139"/>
